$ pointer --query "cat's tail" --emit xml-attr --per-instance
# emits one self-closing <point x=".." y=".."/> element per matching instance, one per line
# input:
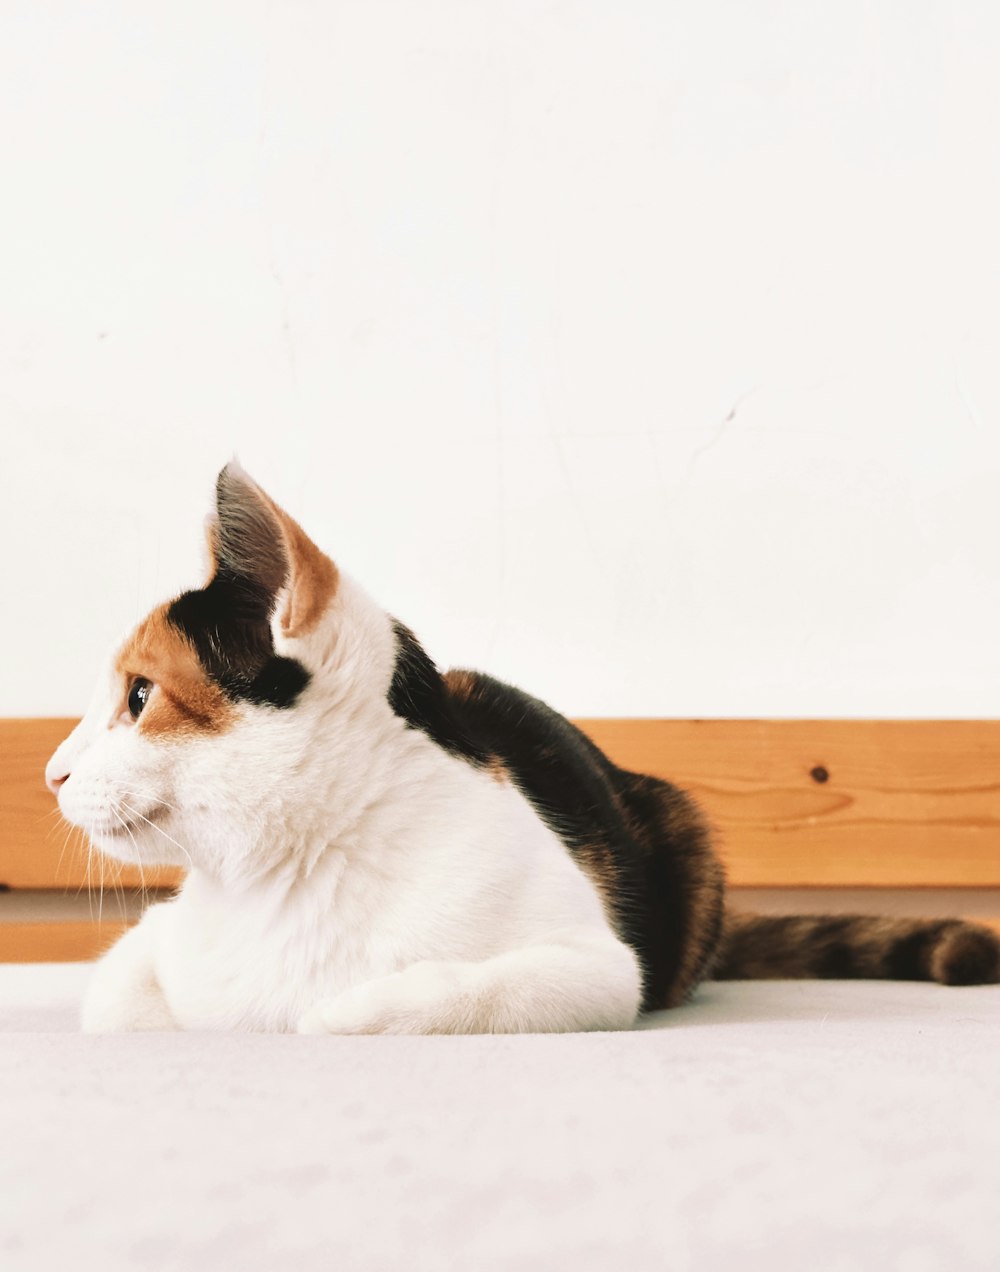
<point x="780" y="947"/>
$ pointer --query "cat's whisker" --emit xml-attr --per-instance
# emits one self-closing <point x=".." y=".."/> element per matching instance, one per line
<point x="141" y="794"/>
<point x="80" y="837"/>
<point x="142" y="877"/>
<point x="135" y="812"/>
<point x="90" y="871"/>
<point x="65" y="843"/>
<point x="157" y="799"/>
<point x="82" y="843"/>
<point x="143" y="887"/>
<point x="100" y="895"/>
<point x="57" y="811"/>
<point x="104" y="862"/>
<point x="135" y="847"/>
<point x="77" y="843"/>
<point x="87" y="842"/>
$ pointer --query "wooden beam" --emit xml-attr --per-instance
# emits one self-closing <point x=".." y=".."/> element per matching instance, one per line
<point x="873" y="803"/>
<point x="806" y="803"/>
<point x="42" y="942"/>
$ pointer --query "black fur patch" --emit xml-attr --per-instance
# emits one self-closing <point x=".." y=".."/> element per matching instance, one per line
<point x="830" y="952"/>
<point x="419" y="696"/>
<point x="836" y="961"/>
<point x="909" y="957"/>
<point x="969" y="955"/>
<point x="651" y="832"/>
<point x="646" y="830"/>
<point x="228" y="622"/>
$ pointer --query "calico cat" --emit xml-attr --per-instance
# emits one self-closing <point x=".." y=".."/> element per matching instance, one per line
<point x="373" y="846"/>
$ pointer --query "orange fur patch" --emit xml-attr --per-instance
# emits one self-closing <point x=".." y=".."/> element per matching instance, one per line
<point x="460" y="683"/>
<point x="184" y="700"/>
<point x="313" y="579"/>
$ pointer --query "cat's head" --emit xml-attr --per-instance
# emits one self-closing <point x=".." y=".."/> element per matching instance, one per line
<point x="220" y="719"/>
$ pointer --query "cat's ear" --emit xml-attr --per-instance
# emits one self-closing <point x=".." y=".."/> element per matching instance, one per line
<point x="251" y="538"/>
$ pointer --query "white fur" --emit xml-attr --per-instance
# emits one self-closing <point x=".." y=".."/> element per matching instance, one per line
<point x="346" y="874"/>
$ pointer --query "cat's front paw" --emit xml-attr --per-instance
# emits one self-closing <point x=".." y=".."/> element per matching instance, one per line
<point x="110" y="1009"/>
<point x="424" y="998"/>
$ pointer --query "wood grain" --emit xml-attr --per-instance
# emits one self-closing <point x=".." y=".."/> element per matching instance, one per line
<point x="903" y="803"/>
<point x="870" y="803"/>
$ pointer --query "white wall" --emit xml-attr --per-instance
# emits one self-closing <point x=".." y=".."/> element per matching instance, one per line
<point x="644" y="353"/>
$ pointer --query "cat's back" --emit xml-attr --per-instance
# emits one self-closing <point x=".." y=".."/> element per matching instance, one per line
<point x="642" y="840"/>
<point x="543" y="753"/>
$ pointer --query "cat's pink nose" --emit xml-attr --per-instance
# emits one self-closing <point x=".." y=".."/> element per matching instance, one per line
<point x="54" y="780"/>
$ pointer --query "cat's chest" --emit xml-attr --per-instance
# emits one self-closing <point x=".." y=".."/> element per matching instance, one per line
<point x="461" y="890"/>
<point x="240" y="968"/>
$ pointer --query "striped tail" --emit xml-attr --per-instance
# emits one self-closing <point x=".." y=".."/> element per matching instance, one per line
<point x="836" y="947"/>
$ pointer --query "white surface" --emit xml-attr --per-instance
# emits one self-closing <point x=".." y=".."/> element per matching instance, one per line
<point x="825" y="1126"/>
<point x="643" y="353"/>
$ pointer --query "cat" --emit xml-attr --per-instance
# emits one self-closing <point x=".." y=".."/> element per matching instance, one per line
<point x="373" y="846"/>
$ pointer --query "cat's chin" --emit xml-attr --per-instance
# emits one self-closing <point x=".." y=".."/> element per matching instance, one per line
<point x="122" y="849"/>
<point x="136" y="843"/>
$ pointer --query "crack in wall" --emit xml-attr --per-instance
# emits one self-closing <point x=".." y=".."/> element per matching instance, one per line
<point x="721" y="431"/>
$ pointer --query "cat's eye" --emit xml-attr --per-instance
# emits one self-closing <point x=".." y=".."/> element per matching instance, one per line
<point x="138" y="696"/>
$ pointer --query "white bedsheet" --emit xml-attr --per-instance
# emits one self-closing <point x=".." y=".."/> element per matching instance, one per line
<point x="798" y="1126"/>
